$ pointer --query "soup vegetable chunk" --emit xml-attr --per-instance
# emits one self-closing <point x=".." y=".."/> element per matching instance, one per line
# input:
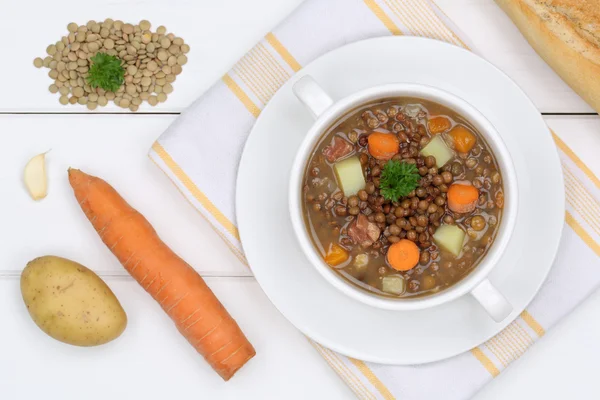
<point x="402" y="197"/>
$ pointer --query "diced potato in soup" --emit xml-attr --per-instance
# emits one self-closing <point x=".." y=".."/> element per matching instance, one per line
<point x="393" y="284"/>
<point x="350" y="176"/>
<point x="359" y="265"/>
<point x="450" y="238"/>
<point x="439" y="149"/>
<point x="361" y="261"/>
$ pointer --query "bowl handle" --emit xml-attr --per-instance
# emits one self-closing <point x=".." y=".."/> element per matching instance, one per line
<point x="494" y="302"/>
<point x="312" y="95"/>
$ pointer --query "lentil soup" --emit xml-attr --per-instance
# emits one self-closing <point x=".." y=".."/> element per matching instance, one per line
<point x="402" y="197"/>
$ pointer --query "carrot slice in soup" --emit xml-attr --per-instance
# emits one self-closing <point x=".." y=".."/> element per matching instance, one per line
<point x="463" y="138"/>
<point x="383" y="146"/>
<point x="438" y="124"/>
<point x="462" y="198"/>
<point x="336" y="255"/>
<point x="403" y="255"/>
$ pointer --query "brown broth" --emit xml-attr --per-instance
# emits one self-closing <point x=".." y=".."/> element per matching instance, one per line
<point x="323" y="198"/>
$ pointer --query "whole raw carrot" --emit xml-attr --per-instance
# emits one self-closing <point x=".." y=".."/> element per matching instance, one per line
<point x="172" y="282"/>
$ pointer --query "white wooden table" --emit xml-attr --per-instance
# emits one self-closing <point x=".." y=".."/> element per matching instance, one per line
<point x="151" y="360"/>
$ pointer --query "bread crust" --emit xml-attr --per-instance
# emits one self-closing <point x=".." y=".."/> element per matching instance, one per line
<point x="566" y="34"/>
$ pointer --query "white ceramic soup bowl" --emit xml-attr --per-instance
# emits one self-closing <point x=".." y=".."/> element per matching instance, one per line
<point x="327" y="112"/>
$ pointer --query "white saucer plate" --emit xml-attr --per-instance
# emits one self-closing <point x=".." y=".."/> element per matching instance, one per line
<point x="318" y="309"/>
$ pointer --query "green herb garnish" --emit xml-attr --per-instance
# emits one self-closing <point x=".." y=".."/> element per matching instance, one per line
<point x="398" y="179"/>
<point x="106" y="72"/>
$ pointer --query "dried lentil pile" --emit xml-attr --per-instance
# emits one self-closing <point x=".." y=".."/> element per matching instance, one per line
<point x="152" y="61"/>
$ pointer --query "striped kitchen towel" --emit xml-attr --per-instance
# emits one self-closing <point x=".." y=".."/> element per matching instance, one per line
<point x="227" y="112"/>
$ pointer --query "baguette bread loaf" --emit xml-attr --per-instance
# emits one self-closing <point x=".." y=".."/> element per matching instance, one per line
<point x="566" y="34"/>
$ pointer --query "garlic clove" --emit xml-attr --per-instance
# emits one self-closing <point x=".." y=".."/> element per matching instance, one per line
<point x="35" y="178"/>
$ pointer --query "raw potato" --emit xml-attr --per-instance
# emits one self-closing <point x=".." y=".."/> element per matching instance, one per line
<point x="70" y="302"/>
<point x="35" y="178"/>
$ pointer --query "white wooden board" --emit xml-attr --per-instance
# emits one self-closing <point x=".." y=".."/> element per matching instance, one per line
<point x="56" y="226"/>
<point x="151" y="360"/>
<point x="115" y="148"/>
<point x="220" y="32"/>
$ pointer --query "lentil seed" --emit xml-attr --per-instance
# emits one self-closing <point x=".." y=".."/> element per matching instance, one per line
<point x="68" y="60"/>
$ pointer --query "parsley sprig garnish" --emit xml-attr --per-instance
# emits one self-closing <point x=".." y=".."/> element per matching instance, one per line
<point x="398" y="179"/>
<point x="106" y="72"/>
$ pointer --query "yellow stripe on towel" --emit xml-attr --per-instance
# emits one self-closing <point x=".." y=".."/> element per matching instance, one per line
<point x="353" y="381"/>
<point x="241" y="95"/>
<point x="567" y="150"/>
<point x="193" y="189"/>
<point x="370" y="375"/>
<point x="493" y="347"/>
<point x="577" y="201"/>
<point x="231" y="246"/>
<point x="432" y="21"/>
<point x="457" y="38"/>
<point x="383" y="17"/>
<point x="533" y="324"/>
<point x="485" y="361"/>
<point x="406" y="18"/>
<point x="582" y="233"/>
<point x="283" y="52"/>
<point x="242" y="73"/>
